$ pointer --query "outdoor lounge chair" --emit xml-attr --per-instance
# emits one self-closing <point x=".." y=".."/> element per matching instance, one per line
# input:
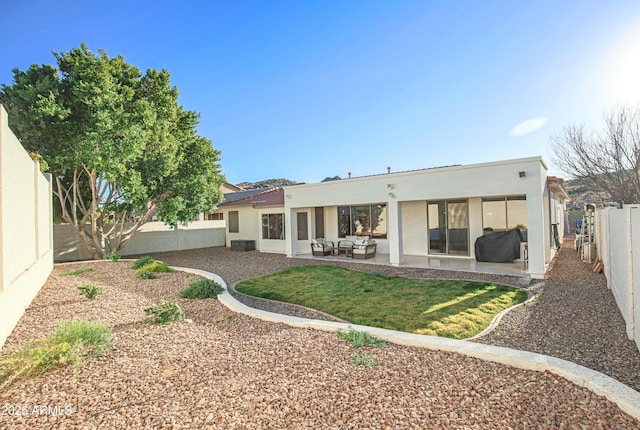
<point x="364" y="249"/>
<point x="321" y="247"/>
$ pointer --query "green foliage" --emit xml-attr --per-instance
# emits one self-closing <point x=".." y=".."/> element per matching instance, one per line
<point x="165" y="313"/>
<point x="116" y="138"/>
<point x="366" y="360"/>
<point x="147" y="271"/>
<point x="361" y="338"/>
<point x="157" y="267"/>
<point x="70" y="343"/>
<point x="75" y="272"/>
<point x="95" y="337"/>
<point x="145" y="274"/>
<point x="142" y="261"/>
<point x="41" y="161"/>
<point x="114" y="256"/>
<point x="201" y="289"/>
<point x="90" y="291"/>
<point x="450" y="308"/>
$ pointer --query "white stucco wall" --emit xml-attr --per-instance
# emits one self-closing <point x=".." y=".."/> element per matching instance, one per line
<point x="248" y="227"/>
<point x="26" y="238"/>
<point x="414" y="228"/>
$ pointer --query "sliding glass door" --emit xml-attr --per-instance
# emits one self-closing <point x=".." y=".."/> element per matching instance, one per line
<point x="448" y="224"/>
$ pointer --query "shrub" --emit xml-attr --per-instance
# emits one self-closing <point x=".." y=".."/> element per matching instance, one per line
<point x="157" y="266"/>
<point x="203" y="288"/>
<point x="153" y="267"/>
<point x="142" y="261"/>
<point x="95" y="337"/>
<point x="70" y="343"/>
<point x="74" y="272"/>
<point x="114" y="256"/>
<point x="366" y="360"/>
<point x="361" y="338"/>
<point x="145" y="274"/>
<point x="165" y="313"/>
<point x="90" y="291"/>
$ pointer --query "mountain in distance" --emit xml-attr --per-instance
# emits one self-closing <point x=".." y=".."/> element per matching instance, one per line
<point x="581" y="191"/>
<point x="266" y="184"/>
<point x="279" y="182"/>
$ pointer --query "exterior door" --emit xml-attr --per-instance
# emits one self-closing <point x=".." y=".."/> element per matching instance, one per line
<point x="448" y="227"/>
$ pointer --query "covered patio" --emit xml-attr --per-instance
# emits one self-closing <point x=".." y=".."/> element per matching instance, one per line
<point x="433" y="218"/>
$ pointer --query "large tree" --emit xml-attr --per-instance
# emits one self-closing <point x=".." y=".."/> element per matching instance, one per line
<point x="608" y="159"/>
<point x="120" y="147"/>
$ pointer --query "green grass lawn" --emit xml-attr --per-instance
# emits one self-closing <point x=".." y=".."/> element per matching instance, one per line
<point x="454" y="309"/>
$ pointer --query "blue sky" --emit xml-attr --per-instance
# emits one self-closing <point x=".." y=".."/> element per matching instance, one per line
<point x="309" y="89"/>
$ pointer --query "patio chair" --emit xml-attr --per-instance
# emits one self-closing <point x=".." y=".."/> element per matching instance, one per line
<point x="321" y="247"/>
<point x="364" y="249"/>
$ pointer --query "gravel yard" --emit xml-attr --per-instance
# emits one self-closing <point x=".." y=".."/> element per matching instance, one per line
<point x="223" y="370"/>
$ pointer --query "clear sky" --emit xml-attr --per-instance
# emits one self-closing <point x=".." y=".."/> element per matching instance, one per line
<point x="308" y="89"/>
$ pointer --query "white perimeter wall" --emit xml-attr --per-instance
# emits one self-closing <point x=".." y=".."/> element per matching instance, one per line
<point x="152" y="237"/>
<point x="26" y="238"/>
<point x="618" y="246"/>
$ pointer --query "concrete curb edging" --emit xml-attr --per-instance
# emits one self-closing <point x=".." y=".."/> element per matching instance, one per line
<point x="622" y="395"/>
<point x="496" y="320"/>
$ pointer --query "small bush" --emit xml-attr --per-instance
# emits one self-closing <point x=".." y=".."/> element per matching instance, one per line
<point x="201" y="289"/>
<point x="361" y="338"/>
<point x="114" y="256"/>
<point x="74" y="272"/>
<point x="145" y="274"/>
<point x="95" y="337"/>
<point x="90" y="291"/>
<point x="70" y="343"/>
<point x="142" y="261"/>
<point x="165" y="313"/>
<point x="157" y="266"/>
<point x="366" y="360"/>
<point x="153" y="267"/>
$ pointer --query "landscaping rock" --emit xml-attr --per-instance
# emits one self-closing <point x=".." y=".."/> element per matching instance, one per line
<point x="231" y="371"/>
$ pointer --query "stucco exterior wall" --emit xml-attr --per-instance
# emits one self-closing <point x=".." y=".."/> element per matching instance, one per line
<point x="26" y="238"/>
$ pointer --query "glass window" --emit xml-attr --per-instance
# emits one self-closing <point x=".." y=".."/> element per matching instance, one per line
<point x="504" y="213"/>
<point x="234" y="225"/>
<point x="379" y="221"/>
<point x="273" y="226"/>
<point x="364" y="220"/>
<point x="344" y="221"/>
<point x="494" y="214"/>
<point x="517" y="212"/>
<point x="303" y="226"/>
<point x="214" y="216"/>
<point x="361" y="220"/>
<point x="319" y="222"/>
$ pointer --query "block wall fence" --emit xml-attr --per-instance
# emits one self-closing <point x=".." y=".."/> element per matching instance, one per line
<point x="151" y="237"/>
<point x="26" y="234"/>
<point x="617" y="234"/>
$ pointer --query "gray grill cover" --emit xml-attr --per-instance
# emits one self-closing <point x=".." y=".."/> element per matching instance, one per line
<point x="499" y="247"/>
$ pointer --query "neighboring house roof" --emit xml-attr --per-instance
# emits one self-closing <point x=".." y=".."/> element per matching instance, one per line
<point x="556" y="185"/>
<point x="228" y="187"/>
<point x="270" y="197"/>
<point x="232" y="197"/>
